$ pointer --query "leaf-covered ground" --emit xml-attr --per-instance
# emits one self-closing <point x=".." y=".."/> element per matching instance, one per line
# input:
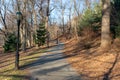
<point x="91" y="62"/>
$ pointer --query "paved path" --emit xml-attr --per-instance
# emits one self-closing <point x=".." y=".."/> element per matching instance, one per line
<point x="53" y="66"/>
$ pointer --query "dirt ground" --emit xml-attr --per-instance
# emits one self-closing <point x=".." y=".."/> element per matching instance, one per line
<point x="92" y="63"/>
<point x="1" y="50"/>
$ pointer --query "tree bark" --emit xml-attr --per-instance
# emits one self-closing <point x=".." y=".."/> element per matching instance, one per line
<point x="47" y="14"/>
<point x="24" y="29"/>
<point x="46" y="21"/>
<point x="105" y="31"/>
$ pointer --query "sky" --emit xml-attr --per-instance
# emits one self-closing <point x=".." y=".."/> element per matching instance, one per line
<point x="56" y="13"/>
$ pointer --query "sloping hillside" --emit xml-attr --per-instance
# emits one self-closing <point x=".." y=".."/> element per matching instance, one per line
<point x="92" y="63"/>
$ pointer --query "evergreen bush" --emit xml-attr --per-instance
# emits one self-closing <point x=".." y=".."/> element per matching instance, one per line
<point x="91" y="17"/>
<point x="10" y="43"/>
<point x="41" y="35"/>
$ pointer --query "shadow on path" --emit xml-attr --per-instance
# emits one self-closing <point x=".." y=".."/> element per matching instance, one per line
<point x="52" y="65"/>
<point x="57" y="55"/>
<point x="17" y="76"/>
<point x="107" y="75"/>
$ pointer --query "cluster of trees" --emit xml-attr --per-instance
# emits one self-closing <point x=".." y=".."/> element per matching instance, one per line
<point x="101" y="18"/>
<point x="34" y="13"/>
<point x="69" y="16"/>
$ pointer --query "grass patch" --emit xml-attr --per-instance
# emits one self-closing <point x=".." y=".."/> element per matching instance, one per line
<point x="7" y="64"/>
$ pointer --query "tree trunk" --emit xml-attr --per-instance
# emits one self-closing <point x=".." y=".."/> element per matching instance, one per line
<point x="47" y="15"/>
<point x="105" y="33"/>
<point x="24" y="37"/>
<point x="31" y="36"/>
<point x="34" y="22"/>
<point x="24" y="28"/>
<point x="46" y="21"/>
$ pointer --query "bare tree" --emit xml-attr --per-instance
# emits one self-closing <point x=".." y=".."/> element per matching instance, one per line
<point x="75" y="19"/>
<point x="45" y="11"/>
<point x="87" y="3"/>
<point x="62" y="15"/>
<point x="3" y="15"/>
<point x="76" y="7"/>
<point x="47" y="14"/>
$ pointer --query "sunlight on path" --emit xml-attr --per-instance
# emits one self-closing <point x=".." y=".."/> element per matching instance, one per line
<point x="53" y="66"/>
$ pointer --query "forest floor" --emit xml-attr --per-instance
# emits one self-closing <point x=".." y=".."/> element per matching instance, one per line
<point x="92" y="63"/>
<point x="7" y="64"/>
<point x="86" y="57"/>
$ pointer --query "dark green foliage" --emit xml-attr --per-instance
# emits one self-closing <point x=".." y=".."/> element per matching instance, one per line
<point x="115" y="18"/>
<point x="117" y="31"/>
<point x="87" y="45"/>
<point x="10" y="43"/>
<point x="116" y="4"/>
<point x="41" y="35"/>
<point x="34" y="38"/>
<point x="95" y="28"/>
<point x="91" y="18"/>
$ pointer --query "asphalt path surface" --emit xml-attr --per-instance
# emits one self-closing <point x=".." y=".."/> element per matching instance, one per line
<point x="53" y="65"/>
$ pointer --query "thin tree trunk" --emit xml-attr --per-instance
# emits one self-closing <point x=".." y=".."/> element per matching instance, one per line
<point x="75" y="29"/>
<point x="47" y="14"/>
<point x="35" y="22"/>
<point x="46" y="21"/>
<point x="24" y="29"/>
<point x="24" y="37"/>
<point x="31" y="36"/>
<point x="63" y="24"/>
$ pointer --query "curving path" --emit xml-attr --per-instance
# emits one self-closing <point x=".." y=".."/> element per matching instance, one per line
<point x="52" y="65"/>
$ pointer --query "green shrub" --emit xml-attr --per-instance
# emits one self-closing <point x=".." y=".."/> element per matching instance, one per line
<point x="41" y="35"/>
<point x="10" y="43"/>
<point x="115" y="18"/>
<point x="91" y="18"/>
<point x="117" y="31"/>
<point x="34" y="38"/>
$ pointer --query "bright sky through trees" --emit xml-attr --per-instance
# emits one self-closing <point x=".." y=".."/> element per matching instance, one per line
<point x="56" y="13"/>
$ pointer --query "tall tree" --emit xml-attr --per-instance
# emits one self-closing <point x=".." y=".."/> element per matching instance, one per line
<point x="75" y="20"/>
<point x="63" y="6"/>
<point x="87" y="3"/>
<point x="47" y="14"/>
<point x="105" y="31"/>
<point x="3" y="16"/>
